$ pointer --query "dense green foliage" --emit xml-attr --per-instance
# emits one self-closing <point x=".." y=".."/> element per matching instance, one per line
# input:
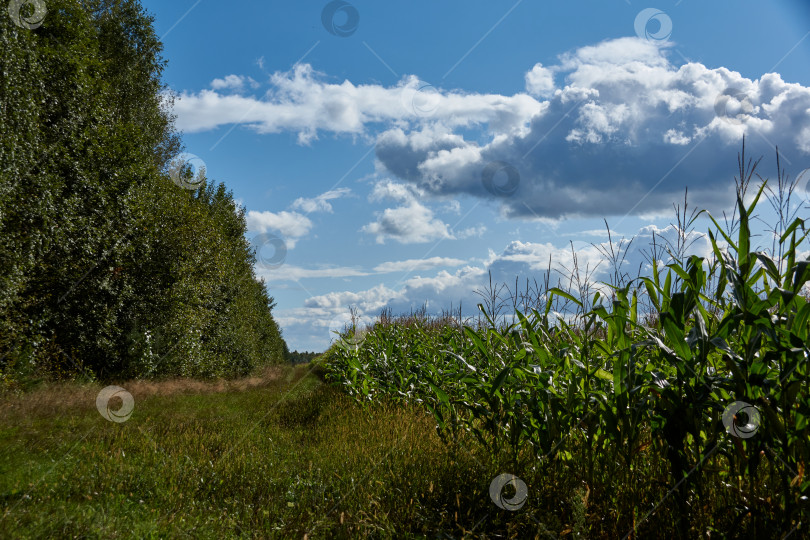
<point x="296" y="357"/>
<point x="630" y="404"/>
<point x="109" y="268"/>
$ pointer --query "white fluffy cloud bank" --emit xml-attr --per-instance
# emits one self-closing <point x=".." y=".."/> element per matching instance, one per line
<point x="610" y="129"/>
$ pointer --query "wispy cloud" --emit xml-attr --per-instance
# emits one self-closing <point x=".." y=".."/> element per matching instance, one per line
<point x="417" y="264"/>
<point x="289" y="272"/>
<point x="321" y="202"/>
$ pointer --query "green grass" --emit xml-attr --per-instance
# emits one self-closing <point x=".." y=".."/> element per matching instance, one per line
<point x="283" y="459"/>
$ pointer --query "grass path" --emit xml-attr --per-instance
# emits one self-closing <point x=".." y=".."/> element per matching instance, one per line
<point x="280" y="455"/>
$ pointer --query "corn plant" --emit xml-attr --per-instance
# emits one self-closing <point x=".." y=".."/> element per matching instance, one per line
<point x="613" y="389"/>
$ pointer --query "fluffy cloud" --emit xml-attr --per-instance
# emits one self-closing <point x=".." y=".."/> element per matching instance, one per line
<point x="291" y="225"/>
<point x="540" y="81"/>
<point x="321" y="202"/>
<point x="368" y="301"/>
<point x="234" y="82"/>
<point x="627" y="134"/>
<point x="302" y="101"/>
<point x="610" y="129"/>
<point x="410" y="223"/>
<point x="443" y="289"/>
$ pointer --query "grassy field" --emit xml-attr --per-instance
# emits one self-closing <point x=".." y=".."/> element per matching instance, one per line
<point x="277" y="455"/>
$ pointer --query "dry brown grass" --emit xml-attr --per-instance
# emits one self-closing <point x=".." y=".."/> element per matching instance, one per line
<point x="54" y="397"/>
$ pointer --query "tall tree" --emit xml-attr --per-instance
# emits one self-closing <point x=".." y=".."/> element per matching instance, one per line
<point x="109" y="268"/>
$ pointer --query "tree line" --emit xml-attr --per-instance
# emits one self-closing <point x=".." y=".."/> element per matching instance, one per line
<point x="302" y="357"/>
<point x="117" y="260"/>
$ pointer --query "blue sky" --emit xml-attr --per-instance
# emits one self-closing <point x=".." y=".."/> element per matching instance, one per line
<point x="392" y="154"/>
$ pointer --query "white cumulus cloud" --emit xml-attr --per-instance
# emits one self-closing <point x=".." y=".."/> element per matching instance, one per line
<point x="234" y="82"/>
<point x="619" y="127"/>
<point x="291" y="225"/>
<point x="540" y="81"/>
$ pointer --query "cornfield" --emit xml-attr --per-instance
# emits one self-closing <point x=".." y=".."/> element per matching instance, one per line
<point x="677" y="400"/>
